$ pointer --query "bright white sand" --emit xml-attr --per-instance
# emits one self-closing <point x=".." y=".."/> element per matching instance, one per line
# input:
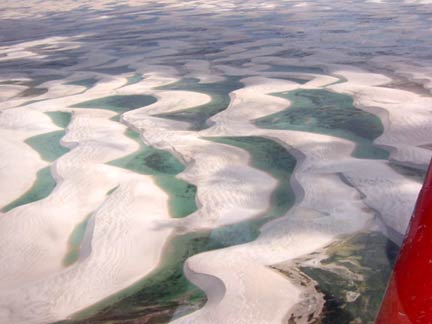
<point x="115" y="231"/>
<point x="123" y="242"/>
<point x="317" y="219"/>
<point x="282" y="239"/>
<point x="15" y="127"/>
<point x="336" y="194"/>
<point x="228" y="191"/>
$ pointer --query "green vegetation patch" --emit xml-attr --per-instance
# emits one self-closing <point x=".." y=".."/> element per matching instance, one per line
<point x="369" y="258"/>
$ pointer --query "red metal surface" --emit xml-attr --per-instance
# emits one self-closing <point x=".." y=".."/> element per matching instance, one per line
<point x="408" y="298"/>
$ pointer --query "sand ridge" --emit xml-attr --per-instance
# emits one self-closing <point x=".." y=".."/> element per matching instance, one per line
<point x="136" y="76"/>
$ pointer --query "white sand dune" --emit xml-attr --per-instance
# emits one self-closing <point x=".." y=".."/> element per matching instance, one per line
<point x="77" y="173"/>
<point x="317" y="219"/>
<point x="225" y="187"/>
<point x="15" y="127"/>
<point x="83" y="186"/>
<point x="404" y="131"/>
<point x="273" y="47"/>
<point x="114" y="254"/>
<point x="229" y="190"/>
<point x="321" y="227"/>
<point x="250" y="289"/>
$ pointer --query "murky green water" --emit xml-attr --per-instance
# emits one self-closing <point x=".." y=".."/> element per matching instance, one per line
<point x="75" y="242"/>
<point x="87" y="83"/>
<point x="49" y="148"/>
<point x="41" y="188"/>
<point x="77" y="237"/>
<point x="48" y="145"/>
<point x="271" y="157"/>
<point x="60" y="118"/>
<point x="166" y="294"/>
<point x="302" y="70"/>
<point x="324" y="112"/>
<point x="296" y="80"/>
<point x="295" y="69"/>
<point x="368" y="259"/>
<point x="197" y="116"/>
<point x="114" y="70"/>
<point x="119" y="104"/>
<point x="149" y="160"/>
<point x="137" y="77"/>
<point x="164" y="166"/>
<point x="181" y="195"/>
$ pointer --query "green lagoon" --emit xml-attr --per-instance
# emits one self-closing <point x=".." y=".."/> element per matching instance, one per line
<point x="60" y="118"/>
<point x="324" y="112"/>
<point x="119" y="103"/>
<point x="41" y="188"/>
<point x="135" y="78"/>
<point x="49" y="148"/>
<point x="197" y="116"/>
<point x="368" y="260"/>
<point x="164" y="167"/>
<point x="48" y="145"/>
<point x="87" y="83"/>
<point x="75" y="241"/>
<point x="166" y="294"/>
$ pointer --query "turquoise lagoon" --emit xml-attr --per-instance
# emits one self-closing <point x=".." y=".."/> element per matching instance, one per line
<point x="49" y="148"/>
<point x="324" y="112"/>
<point x="197" y="116"/>
<point x="166" y="293"/>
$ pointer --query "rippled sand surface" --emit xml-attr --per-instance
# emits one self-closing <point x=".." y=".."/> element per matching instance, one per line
<point x="208" y="161"/>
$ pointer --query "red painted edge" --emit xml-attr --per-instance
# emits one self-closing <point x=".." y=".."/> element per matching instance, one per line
<point x="408" y="298"/>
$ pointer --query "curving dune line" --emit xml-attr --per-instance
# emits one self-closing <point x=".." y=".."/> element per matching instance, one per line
<point x="181" y="144"/>
<point x="73" y="200"/>
<point x="15" y="128"/>
<point x="312" y="219"/>
<point x="83" y="182"/>
<point x="336" y="193"/>
<point x="404" y="134"/>
<point x="229" y="192"/>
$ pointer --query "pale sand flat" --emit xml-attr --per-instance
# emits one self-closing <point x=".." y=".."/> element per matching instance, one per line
<point x="331" y="186"/>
